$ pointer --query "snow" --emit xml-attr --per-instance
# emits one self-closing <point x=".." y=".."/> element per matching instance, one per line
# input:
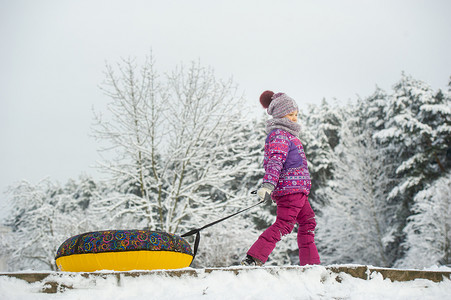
<point x="252" y="283"/>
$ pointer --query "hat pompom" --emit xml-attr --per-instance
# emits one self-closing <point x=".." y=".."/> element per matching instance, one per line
<point x="265" y="98"/>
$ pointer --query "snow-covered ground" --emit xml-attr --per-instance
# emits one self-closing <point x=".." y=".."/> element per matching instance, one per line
<point x="311" y="283"/>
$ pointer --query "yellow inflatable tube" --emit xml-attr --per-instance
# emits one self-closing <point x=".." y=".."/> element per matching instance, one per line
<point x="123" y="250"/>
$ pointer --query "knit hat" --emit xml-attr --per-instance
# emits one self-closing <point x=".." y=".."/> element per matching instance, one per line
<point x="278" y="105"/>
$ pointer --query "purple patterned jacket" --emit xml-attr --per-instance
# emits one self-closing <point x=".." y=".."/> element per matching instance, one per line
<point x="285" y="164"/>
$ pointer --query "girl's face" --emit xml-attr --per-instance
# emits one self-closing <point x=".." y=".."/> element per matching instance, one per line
<point x="292" y="116"/>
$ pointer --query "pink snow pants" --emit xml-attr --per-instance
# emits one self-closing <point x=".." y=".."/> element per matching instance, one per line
<point x="291" y="209"/>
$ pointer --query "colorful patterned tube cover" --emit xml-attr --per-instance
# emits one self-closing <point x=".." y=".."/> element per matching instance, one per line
<point x="123" y="250"/>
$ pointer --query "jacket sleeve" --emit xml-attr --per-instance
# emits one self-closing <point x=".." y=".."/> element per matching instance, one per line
<point x="276" y="152"/>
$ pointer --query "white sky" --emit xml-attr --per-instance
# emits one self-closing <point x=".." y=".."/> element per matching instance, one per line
<point x="53" y="53"/>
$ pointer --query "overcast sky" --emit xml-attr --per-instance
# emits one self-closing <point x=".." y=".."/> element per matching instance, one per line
<point x="53" y="54"/>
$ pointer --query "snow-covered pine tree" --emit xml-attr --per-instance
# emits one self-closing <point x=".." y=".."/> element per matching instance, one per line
<point x="352" y="227"/>
<point x="438" y="116"/>
<point x="320" y="136"/>
<point x="410" y="143"/>
<point x="428" y="230"/>
<point x="371" y="112"/>
<point x="410" y="130"/>
<point x="446" y="129"/>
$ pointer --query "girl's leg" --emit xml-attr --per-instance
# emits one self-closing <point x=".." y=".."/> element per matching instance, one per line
<point x="308" y="253"/>
<point x="288" y="208"/>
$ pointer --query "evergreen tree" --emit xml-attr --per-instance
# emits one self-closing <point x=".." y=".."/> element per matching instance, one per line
<point x="428" y="227"/>
<point x="372" y="114"/>
<point x="320" y="137"/>
<point x="428" y="230"/>
<point x="371" y="111"/>
<point x="409" y="142"/>
<point x="354" y="220"/>
<point x="410" y="131"/>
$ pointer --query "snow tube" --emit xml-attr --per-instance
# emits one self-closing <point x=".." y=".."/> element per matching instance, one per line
<point x="123" y="250"/>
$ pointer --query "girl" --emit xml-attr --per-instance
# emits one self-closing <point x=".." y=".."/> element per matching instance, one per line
<point x="287" y="180"/>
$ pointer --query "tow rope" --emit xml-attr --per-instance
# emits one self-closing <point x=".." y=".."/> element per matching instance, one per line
<point x="197" y="230"/>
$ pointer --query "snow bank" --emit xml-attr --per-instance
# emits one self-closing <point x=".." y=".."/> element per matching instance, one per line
<point x="253" y="283"/>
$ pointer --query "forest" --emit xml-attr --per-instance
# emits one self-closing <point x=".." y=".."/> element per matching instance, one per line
<point x="179" y="150"/>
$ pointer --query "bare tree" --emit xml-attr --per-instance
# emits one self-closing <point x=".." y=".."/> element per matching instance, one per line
<point x="136" y="108"/>
<point x="172" y="139"/>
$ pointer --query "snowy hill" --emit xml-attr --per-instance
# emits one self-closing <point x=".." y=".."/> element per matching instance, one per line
<point x="317" y="282"/>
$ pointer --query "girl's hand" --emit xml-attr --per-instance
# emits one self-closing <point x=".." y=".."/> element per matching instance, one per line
<point x="266" y="188"/>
